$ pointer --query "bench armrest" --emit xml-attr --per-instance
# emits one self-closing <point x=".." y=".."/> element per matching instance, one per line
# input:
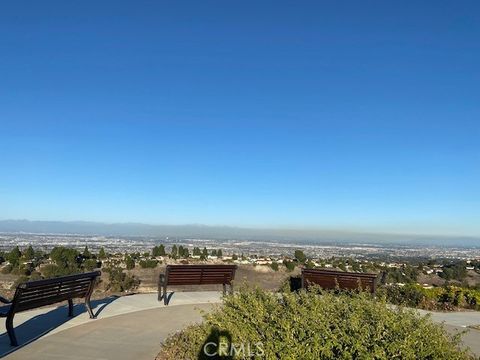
<point x="5" y="301"/>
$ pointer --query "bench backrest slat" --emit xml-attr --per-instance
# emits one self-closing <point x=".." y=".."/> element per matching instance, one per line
<point x="34" y="294"/>
<point x="200" y="274"/>
<point x="328" y="279"/>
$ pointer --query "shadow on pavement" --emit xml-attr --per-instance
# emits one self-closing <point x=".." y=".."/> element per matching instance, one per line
<point x="42" y="324"/>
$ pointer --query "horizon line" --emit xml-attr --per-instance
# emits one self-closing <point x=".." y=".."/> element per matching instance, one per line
<point x="259" y="228"/>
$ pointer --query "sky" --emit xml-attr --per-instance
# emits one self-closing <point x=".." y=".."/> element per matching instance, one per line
<point x="314" y="114"/>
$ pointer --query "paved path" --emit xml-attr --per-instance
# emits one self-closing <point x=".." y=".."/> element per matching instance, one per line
<point x="32" y="327"/>
<point x="124" y="337"/>
<point x="133" y="327"/>
<point x="456" y="318"/>
<point x="458" y="321"/>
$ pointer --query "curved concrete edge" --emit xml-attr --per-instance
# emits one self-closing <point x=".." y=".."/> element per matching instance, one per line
<point x="139" y="302"/>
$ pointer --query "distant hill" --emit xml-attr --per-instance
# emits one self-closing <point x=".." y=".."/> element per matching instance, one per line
<point x="225" y="232"/>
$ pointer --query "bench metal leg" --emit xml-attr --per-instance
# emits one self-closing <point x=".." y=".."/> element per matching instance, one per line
<point x="10" y="331"/>
<point x="159" y="293"/>
<point x="161" y="282"/>
<point x="70" y="308"/>
<point x="89" y="308"/>
<point x="224" y="289"/>
<point x="162" y="289"/>
<point x="231" y="288"/>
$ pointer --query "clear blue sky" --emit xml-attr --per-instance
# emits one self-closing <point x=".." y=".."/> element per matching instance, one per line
<point x="321" y="114"/>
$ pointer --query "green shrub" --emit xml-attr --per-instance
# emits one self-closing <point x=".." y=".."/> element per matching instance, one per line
<point x="52" y="270"/>
<point x="148" y="264"/>
<point x="129" y="262"/>
<point x="120" y="281"/>
<point x="35" y="275"/>
<point x="437" y="298"/>
<point x="290" y="265"/>
<point x="308" y="326"/>
<point x="90" y="264"/>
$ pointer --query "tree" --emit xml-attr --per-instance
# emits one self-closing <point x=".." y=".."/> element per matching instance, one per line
<point x="101" y="254"/>
<point x="14" y="256"/>
<point x="356" y="266"/>
<point x="290" y="265"/>
<point x="67" y="260"/>
<point x="234" y="257"/>
<point x="86" y="254"/>
<point x="454" y="271"/>
<point x="219" y="253"/>
<point x="29" y="253"/>
<point x="159" y="250"/>
<point x="129" y="262"/>
<point x="90" y="264"/>
<point x="274" y="266"/>
<point x="214" y="252"/>
<point x="300" y="256"/>
<point x="204" y="255"/>
<point x="174" y="251"/>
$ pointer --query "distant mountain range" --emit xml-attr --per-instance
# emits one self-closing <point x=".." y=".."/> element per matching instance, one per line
<point x="225" y="232"/>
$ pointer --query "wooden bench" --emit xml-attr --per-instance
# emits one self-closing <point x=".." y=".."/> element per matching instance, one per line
<point x="195" y="275"/>
<point x="329" y="279"/>
<point x="34" y="294"/>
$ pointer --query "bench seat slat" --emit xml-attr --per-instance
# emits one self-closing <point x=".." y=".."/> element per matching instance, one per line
<point x="63" y="284"/>
<point x="54" y="298"/>
<point x="47" y="301"/>
<point x="52" y="292"/>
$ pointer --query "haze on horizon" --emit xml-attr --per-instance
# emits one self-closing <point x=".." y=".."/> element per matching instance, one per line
<point x="355" y="117"/>
<point x="197" y="231"/>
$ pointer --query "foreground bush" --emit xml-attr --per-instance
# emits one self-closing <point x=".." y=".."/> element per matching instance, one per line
<point x="260" y="325"/>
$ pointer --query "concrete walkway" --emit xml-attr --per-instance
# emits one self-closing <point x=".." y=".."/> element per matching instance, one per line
<point x="124" y="337"/>
<point x="455" y="322"/>
<point x="33" y="328"/>
<point x="133" y="327"/>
